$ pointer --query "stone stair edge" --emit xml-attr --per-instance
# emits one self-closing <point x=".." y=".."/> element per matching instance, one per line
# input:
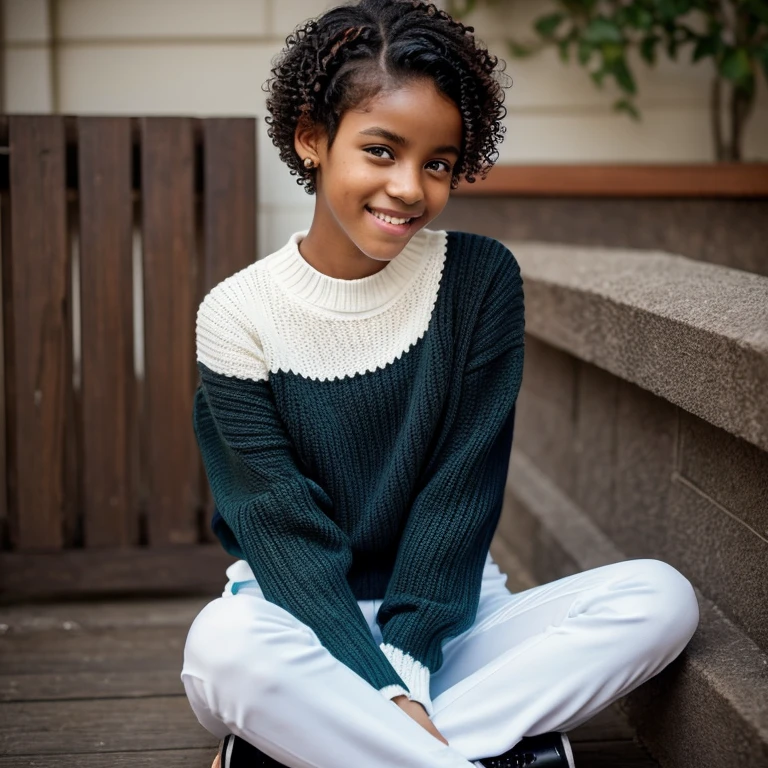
<point x="677" y="325"/>
<point x="721" y="659"/>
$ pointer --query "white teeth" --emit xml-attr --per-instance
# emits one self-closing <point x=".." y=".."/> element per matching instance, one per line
<point x="388" y="219"/>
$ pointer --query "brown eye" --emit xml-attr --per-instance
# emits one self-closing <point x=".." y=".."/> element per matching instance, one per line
<point x="445" y="167"/>
<point x="374" y="150"/>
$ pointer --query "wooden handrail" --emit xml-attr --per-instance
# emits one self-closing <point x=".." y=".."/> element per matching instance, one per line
<point x="657" y="180"/>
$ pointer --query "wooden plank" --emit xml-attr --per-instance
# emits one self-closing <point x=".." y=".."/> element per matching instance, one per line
<point x="81" y="727"/>
<point x="230" y="197"/>
<point x="88" y="727"/>
<point x="5" y="248"/>
<point x="104" y="614"/>
<point x="667" y="180"/>
<point x="113" y="650"/>
<point x="164" y="570"/>
<point x="72" y="523"/>
<point x="229" y="219"/>
<point x="166" y="758"/>
<point x="593" y="755"/>
<point x="48" y="686"/>
<point x="110" y="503"/>
<point x="170" y="290"/>
<point x="38" y="367"/>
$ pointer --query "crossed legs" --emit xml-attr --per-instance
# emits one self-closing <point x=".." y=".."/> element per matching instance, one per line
<point x="545" y="659"/>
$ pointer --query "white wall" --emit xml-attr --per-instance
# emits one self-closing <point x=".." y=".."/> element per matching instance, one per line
<point x="206" y="57"/>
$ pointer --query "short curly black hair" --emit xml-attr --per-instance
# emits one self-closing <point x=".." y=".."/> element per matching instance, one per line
<point x="351" y="53"/>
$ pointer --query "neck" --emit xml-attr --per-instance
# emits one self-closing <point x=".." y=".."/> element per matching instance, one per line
<point x="337" y="257"/>
<point x="328" y="248"/>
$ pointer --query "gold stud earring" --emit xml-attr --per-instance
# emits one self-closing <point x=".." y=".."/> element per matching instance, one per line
<point x="309" y="163"/>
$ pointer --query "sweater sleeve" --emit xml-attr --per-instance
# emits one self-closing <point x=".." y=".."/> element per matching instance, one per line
<point x="435" y="587"/>
<point x="277" y="519"/>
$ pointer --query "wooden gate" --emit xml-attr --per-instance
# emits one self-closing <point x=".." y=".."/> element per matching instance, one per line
<point x="113" y="229"/>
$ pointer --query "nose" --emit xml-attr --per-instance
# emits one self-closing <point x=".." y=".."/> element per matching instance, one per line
<point x="405" y="185"/>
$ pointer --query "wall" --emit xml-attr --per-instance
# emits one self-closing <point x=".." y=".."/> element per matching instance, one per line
<point x="210" y="58"/>
<point x="730" y="232"/>
<point x="642" y="432"/>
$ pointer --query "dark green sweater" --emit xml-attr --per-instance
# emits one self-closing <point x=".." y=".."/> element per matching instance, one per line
<point x="356" y="437"/>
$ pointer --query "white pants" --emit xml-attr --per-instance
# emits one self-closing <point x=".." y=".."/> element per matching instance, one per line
<point x="546" y="659"/>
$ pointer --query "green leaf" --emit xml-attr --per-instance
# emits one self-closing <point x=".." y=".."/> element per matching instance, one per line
<point x="612" y="52"/>
<point x="563" y="48"/>
<point x="669" y="10"/>
<point x="602" y="30"/>
<point x="672" y="48"/>
<point x="597" y="77"/>
<point x="520" y="50"/>
<point x="624" y="78"/>
<point x="735" y="65"/>
<point x="644" y="19"/>
<point x="648" y="48"/>
<point x="547" y="25"/>
<point x="706" y="46"/>
<point x="460" y="8"/>
<point x="585" y="51"/>
<point x="626" y="106"/>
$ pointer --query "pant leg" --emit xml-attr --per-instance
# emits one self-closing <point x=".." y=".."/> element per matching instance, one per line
<point x="252" y="669"/>
<point x="549" y="658"/>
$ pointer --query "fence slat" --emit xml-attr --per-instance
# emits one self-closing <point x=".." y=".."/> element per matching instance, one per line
<point x="229" y="215"/>
<point x="110" y="504"/>
<point x="197" y="569"/>
<point x="38" y="363"/>
<point x="230" y="197"/>
<point x="170" y="290"/>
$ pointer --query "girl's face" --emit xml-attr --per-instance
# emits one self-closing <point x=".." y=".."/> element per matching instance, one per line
<point x="392" y="157"/>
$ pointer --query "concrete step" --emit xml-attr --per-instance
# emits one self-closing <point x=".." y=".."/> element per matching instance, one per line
<point x="709" y="708"/>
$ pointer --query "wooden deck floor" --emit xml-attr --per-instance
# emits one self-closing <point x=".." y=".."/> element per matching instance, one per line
<point x="96" y="684"/>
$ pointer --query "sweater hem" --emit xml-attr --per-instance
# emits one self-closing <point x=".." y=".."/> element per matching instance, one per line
<point x="413" y="673"/>
<point x="390" y="691"/>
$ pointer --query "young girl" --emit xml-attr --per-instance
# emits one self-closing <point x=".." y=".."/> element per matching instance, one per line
<point x="355" y="418"/>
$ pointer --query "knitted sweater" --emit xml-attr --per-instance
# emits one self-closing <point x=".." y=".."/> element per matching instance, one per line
<point x="356" y="437"/>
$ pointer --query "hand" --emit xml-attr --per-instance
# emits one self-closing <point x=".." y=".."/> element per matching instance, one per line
<point x="416" y="711"/>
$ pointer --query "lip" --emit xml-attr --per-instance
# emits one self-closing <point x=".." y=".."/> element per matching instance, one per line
<point x="395" y="214"/>
<point x="399" y="230"/>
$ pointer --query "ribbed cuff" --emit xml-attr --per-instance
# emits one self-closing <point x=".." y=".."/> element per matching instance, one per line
<point x="413" y="673"/>
<point x="393" y="690"/>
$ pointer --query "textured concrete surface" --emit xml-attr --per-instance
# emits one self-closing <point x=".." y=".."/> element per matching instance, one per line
<point x="544" y="420"/>
<point x="658" y="481"/>
<point x="728" y="561"/>
<point x="644" y="462"/>
<point x="595" y="446"/>
<point x="730" y="472"/>
<point x="709" y="708"/>
<point x="693" y="333"/>
<point x="732" y="233"/>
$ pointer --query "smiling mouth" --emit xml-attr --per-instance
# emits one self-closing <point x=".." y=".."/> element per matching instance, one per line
<point x="390" y="219"/>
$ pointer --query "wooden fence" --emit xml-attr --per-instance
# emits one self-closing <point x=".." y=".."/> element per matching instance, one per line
<point x="101" y="484"/>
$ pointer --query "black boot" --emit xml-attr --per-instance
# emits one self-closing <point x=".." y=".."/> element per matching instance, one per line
<point x="549" y="750"/>
<point x="235" y="752"/>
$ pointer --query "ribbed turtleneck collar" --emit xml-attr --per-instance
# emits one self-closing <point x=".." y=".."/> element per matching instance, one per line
<point x="301" y="279"/>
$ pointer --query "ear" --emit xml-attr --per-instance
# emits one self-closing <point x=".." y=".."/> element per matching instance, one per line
<point x="308" y="142"/>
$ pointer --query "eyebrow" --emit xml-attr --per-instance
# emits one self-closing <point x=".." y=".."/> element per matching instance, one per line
<point x="396" y="139"/>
